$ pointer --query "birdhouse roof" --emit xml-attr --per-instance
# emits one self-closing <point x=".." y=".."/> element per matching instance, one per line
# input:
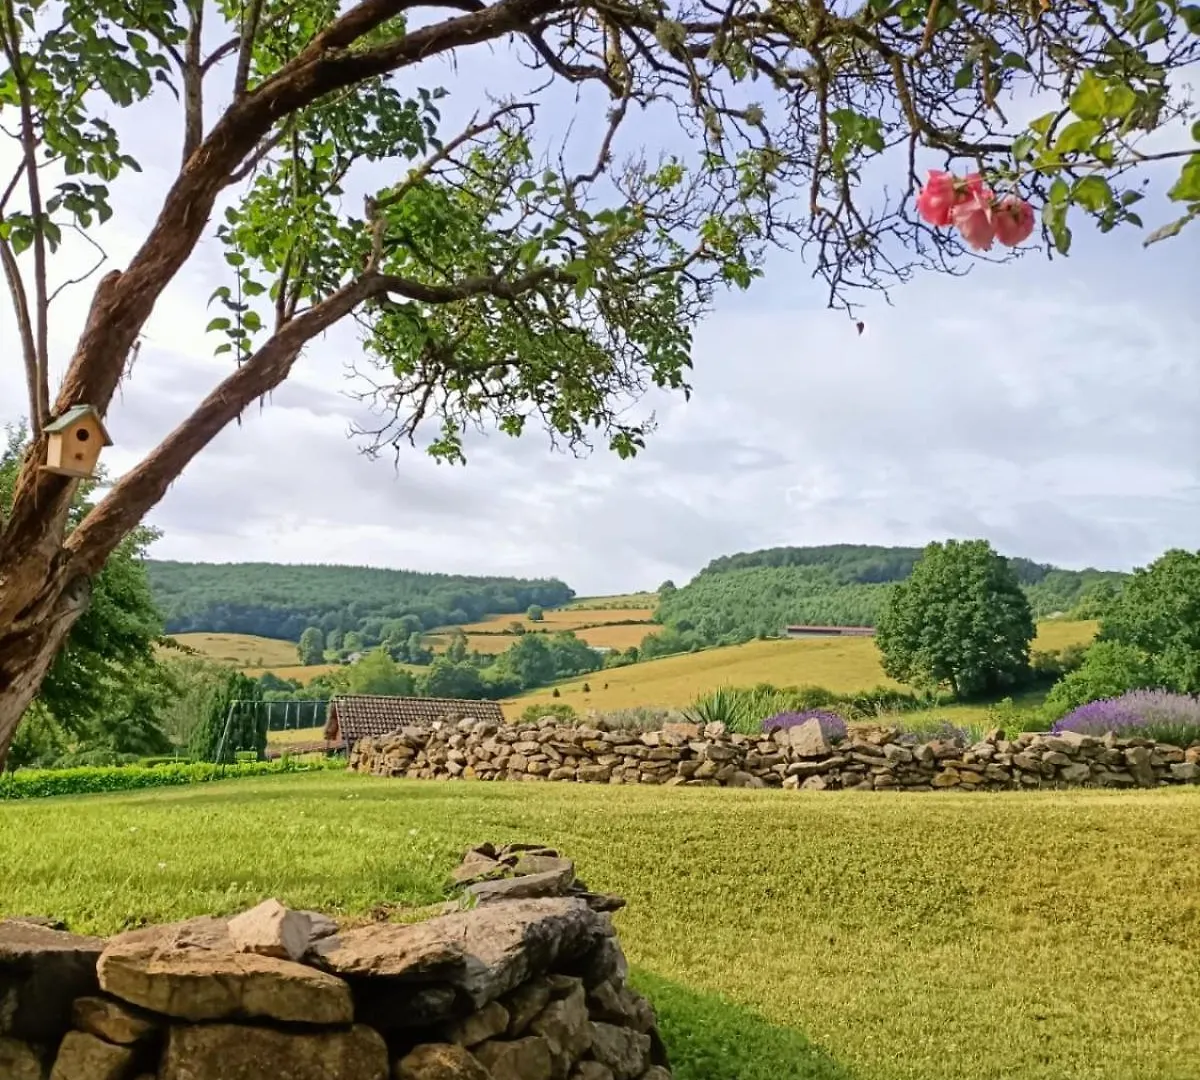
<point x="72" y="417"/>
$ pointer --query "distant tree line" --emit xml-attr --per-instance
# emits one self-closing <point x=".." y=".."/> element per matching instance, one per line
<point x="277" y="601"/>
<point x="755" y="595"/>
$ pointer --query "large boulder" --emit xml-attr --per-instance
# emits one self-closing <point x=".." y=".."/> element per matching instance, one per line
<point x="190" y="971"/>
<point x="237" y="1052"/>
<point x="85" y="1057"/>
<point x="41" y="972"/>
<point x="19" y="1061"/>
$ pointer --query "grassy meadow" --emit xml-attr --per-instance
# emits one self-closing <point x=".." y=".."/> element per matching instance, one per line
<point x="781" y="936"/>
<point x="842" y="665"/>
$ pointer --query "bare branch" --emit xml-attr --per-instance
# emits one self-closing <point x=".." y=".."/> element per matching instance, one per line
<point x="102" y="258"/>
<point x="20" y="304"/>
<point x="218" y="54"/>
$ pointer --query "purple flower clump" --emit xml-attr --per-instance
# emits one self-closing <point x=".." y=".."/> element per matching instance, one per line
<point x="833" y="727"/>
<point x="1154" y="714"/>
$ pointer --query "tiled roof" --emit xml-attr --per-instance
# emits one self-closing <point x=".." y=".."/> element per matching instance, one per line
<point x="355" y="716"/>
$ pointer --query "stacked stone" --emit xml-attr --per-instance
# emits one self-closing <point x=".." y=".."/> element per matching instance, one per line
<point x="873" y="757"/>
<point x="524" y="988"/>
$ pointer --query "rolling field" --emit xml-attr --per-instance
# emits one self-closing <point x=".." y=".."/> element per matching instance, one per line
<point x="562" y="619"/>
<point x="842" y="665"/>
<point x="242" y="650"/>
<point x="856" y="936"/>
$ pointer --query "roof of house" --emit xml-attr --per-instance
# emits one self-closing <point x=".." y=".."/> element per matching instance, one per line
<point x="76" y="413"/>
<point x="356" y="716"/>
<point x="833" y="629"/>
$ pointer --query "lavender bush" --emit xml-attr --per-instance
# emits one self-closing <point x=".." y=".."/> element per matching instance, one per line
<point x="1150" y="714"/>
<point x="833" y="727"/>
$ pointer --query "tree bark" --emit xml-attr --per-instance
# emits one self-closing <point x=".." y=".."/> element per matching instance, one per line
<point x="26" y="656"/>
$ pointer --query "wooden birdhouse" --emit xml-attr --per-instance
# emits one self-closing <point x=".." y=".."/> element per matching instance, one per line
<point x="75" y="440"/>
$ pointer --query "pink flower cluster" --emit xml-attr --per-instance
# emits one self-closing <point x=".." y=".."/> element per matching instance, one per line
<point x="971" y="207"/>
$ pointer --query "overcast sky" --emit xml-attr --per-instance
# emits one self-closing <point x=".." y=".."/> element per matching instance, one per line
<point x="1048" y="406"/>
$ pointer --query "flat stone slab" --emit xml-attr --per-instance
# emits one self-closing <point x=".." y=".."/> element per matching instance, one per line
<point x="484" y="953"/>
<point x="42" y="971"/>
<point x="189" y="971"/>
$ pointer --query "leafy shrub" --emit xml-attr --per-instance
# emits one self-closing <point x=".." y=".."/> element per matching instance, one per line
<point x="85" y="758"/>
<point x="40" y="783"/>
<point x="931" y="728"/>
<point x="1151" y="714"/>
<point x="833" y="727"/>
<point x="639" y="718"/>
<point x="1109" y="669"/>
<point x="559" y="709"/>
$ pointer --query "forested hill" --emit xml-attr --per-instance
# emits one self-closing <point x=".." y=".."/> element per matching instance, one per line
<point x="280" y="601"/>
<point x="737" y="597"/>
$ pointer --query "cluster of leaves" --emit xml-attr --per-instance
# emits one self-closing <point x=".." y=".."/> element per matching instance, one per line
<point x="94" y="780"/>
<point x="746" y="709"/>
<point x="1149" y="638"/>
<point x="961" y="620"/>
<point x="231" y="722"/>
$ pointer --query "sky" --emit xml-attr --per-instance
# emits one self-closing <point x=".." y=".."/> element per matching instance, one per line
<point x="1049" y="406"/>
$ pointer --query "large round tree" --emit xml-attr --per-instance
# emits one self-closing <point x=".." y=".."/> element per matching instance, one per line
<point x="961" y="620"/>
<point x="505" y="273"/>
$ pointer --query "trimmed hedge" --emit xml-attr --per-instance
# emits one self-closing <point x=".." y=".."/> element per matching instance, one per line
<point x="90" y="780"/>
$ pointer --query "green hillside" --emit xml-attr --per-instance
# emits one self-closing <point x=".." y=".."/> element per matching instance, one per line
<point x="738" y="597"/>
<point x="276" y="601"/>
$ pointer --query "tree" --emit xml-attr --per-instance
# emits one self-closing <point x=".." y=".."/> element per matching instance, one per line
<point x="494" y="284"/>
<point x="105" y="684"/>
<point x="961" y="619"/>
<point x="535" y="613"/>
<point x="233" y="720"/>
<point x="377" y="673"/>
<point x="448" y="679"/>
<point x="311" y="647"/>
<point x="1158" y="612"/>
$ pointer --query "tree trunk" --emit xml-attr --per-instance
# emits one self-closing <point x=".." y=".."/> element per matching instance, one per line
<point x="27" y="653"/>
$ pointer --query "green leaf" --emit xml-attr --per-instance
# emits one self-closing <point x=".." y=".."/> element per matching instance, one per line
<point x="1196" y="131"/>
<point x="1187" y="187"/>
<point x="1156" y="31"/>
<point x="1191" y="18"/>
<point x="1060" y="192"/>
<point x="1092" y="193"/>
<point x="1119" y="101"/>
<point x="1164" y="232"/>
<point x="1015" y="60"/>
<point x="1078" y="136"/>
<point x="1023" y="146"/>
<point x="964" y="76"/>
<point x="1088" y="99"/>
<point x="1042" y="124"/>
<point x="219" y="323"/>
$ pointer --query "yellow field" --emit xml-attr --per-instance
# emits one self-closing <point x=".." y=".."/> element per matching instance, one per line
<point x="616" y="637"/>
<point x="560" y="619"/>
<point x="301" y="673"/>
<point x="1059" y="633"/>
<point x="296" y="735"/>
<point x="242" y="650"/>
<point x="625" y="600"/>
<point x="842" y="665"/>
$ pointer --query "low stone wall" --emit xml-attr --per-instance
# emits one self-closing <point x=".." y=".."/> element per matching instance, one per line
<point x="522" y="978"/>
<point x="871" y="758"/>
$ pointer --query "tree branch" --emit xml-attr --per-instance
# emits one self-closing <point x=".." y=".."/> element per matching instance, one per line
<point x="218" y="54"/>
<point x="193" y="82"/>
<point x="39" y="378"/>
<point x="20" y="303"/>
<point x="249" y="33"/>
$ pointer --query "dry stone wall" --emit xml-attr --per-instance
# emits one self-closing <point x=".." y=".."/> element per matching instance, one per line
<point x="520" y="978"/>
<point x="873" y="757"/>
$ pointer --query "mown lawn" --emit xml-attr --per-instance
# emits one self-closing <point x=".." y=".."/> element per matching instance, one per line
<point x="806" y="936"/>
